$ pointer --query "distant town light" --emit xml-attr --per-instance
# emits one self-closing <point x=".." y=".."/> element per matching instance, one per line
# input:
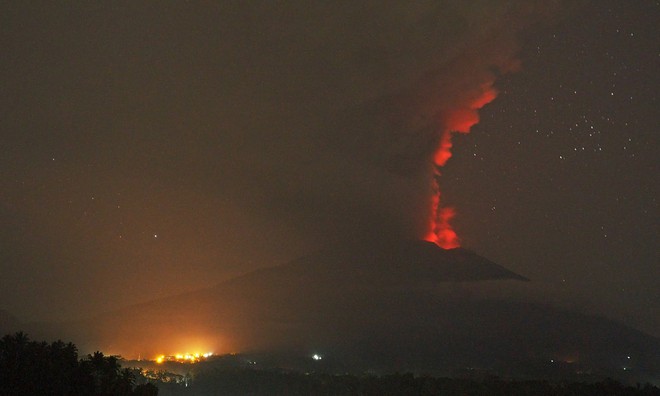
<point x="317" y="357"/>
<point x="183" y="357"/>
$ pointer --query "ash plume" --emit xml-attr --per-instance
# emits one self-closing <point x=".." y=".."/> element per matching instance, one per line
<point x="230" y="135"/>
<point x="381" y="109"/>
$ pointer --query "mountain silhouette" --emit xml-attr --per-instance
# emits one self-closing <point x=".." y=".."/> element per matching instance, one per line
<point x="387" y="305"/>
<point x="399" y="261"/>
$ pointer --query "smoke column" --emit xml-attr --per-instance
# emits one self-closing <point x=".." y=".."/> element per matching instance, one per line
<point x="458" y="117"/>
<point x="449" y="98"/>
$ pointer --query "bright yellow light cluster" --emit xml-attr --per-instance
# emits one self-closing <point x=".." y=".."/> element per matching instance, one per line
<point x="183" y="357"/>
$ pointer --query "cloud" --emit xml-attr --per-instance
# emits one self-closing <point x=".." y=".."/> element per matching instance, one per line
<point x="236" y="130"/>
<point x="347" y="105"/>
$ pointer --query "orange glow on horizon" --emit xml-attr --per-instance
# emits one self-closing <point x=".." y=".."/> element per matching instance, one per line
<point x="183" y="357"/>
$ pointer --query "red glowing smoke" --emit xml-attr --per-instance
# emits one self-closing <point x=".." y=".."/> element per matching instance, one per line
<point x="457" y="119"/>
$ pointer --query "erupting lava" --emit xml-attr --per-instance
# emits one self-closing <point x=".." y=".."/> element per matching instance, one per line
<point x="458" y="119"/>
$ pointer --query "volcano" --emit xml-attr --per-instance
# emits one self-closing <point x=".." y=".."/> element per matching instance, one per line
<point x="399" y="262"/>
<point x="386" y="305"/>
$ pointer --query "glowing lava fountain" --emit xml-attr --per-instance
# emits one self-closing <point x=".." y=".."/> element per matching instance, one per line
<point x="457" y="119"/>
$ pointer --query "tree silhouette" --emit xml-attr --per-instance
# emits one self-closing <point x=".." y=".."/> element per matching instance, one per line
<point x="38" y="368"/>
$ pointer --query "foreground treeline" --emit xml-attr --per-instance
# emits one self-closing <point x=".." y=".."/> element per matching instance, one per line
<point x="246" y="381"/>
<point x="39" y="368"/>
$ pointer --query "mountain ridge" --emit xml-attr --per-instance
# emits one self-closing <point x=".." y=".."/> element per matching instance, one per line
<point x="395" y="305"/>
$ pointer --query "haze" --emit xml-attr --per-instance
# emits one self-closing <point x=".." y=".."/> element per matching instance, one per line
<point x="152" y="149"/>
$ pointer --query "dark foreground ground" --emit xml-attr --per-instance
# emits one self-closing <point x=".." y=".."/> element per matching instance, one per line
<point x="272" y="382"/>
<point x="40" y="368"/>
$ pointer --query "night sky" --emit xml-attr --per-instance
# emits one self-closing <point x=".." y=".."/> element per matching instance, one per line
<point x="154" y="148"/>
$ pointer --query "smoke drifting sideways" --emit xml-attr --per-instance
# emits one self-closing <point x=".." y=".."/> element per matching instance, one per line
<point x="459" y="117"/>
<point x="395" y="87"/>
<point x="240" y="133"/>
<point x="422" y="76"/>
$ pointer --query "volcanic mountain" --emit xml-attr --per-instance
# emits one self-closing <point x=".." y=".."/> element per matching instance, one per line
<point x="391" y="305"/>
